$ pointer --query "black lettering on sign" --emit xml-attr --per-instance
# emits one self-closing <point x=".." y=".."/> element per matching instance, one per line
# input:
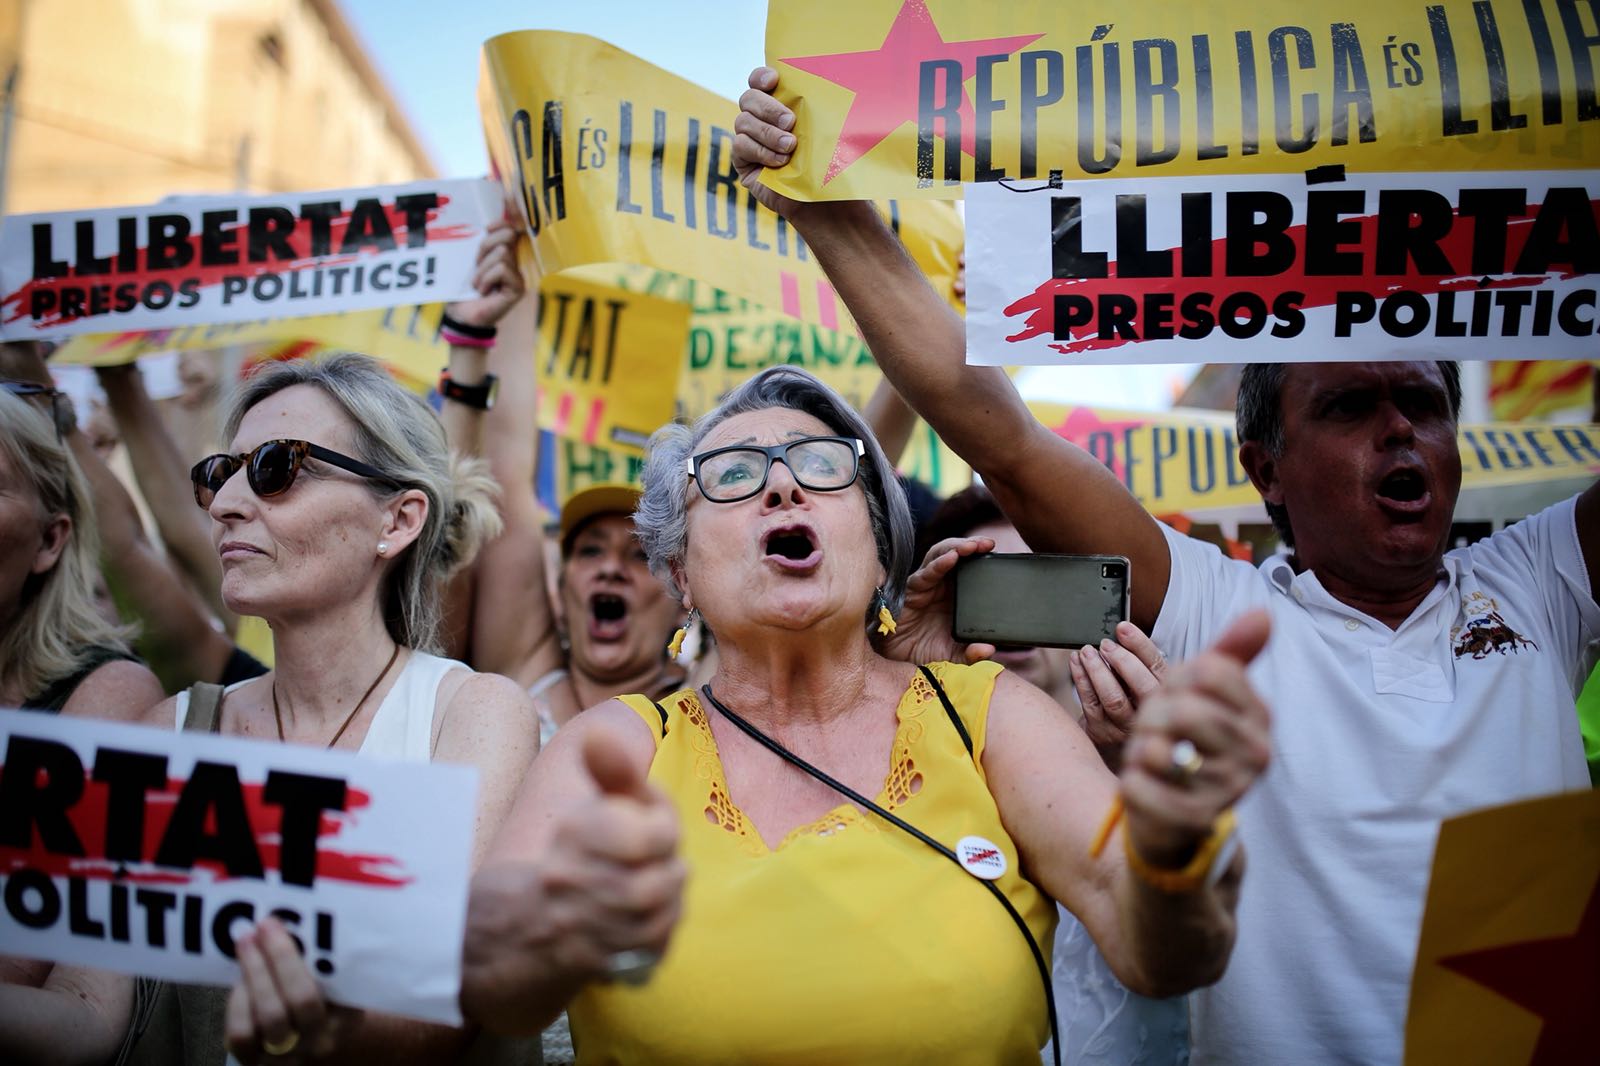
<point x="1147" y="89"/>
<point x="1411" y="223"/>
<point x="1110" y="111"/>
<point x="1305" y="59"/>
<point x="304" y="798"/>
<point x="1351" y="88"/>
<point x="129" y="777"/>
<point x="625" y="202"/>
<point x="1134" y="257"/>
<point x="553" y="180"/>
<point x="369" y="227"/>
<point x="1258" y="243"/>
<point x="1581" y="42"/>
<point x="321" y="216"/>
<point x="984" y="107"/>
<point x="1449" y="75"/>
<point x="45" y="265"/>
<point x="1032" y="100"/>
<point x="40" y="781"/>
<point x="1501" y="117"/>
<point x="1067" y="257"/>
<point x="1204" y="102"/>
<point x="725" y="181"/>
<point x="415" y="206"/>
<point x="936" y="106"/>
<point x="211" y="796"/>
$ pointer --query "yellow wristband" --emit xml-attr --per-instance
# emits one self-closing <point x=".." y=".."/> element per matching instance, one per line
<point x="1197" y="872"/>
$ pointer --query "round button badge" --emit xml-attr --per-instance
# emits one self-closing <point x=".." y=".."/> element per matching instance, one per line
<point x="981" y="858"/>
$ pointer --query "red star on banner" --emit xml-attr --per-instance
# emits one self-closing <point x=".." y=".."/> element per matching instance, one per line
<point x="1083" y="421"/>
<point x="885" y="80"/>
<point x="1557" y="978"/>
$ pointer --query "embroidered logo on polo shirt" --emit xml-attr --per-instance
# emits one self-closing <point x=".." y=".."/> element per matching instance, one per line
<point x="1485" y="631"/>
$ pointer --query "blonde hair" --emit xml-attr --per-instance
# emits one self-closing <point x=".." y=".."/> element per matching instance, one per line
<point x="396" y="432"/>
<point x="57" y="627"/>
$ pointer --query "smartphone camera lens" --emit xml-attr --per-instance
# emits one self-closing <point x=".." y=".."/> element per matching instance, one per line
<point x="1111" y="570"/>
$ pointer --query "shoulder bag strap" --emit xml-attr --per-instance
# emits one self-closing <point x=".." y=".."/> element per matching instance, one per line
<point x="949" y="709"/>
<point x="205" y="708"/>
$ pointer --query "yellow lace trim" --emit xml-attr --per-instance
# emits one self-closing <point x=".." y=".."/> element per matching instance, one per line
<point x="903" y="781"/>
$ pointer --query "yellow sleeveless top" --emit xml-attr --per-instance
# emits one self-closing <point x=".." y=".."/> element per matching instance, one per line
<point x="852" y="941"/>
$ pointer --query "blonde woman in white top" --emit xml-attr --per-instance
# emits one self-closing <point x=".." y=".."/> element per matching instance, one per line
<point x="338" y="512"/>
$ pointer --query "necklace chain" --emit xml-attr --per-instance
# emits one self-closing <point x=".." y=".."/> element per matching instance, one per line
<point x="278" y="714"/>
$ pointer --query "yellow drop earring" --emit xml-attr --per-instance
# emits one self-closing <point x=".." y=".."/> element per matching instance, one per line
<point x="675" y="648"/>
<point x="886" y="623"/>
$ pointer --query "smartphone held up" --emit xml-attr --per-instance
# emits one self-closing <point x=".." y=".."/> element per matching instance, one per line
<point x="1036" y="600"/>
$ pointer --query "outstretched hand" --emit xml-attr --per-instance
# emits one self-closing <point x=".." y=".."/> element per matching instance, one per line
<point x="922" y="634"/>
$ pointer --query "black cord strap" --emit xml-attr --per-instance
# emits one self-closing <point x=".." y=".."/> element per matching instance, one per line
<point x="857" y="798"/>
<point x="950" y="711"/>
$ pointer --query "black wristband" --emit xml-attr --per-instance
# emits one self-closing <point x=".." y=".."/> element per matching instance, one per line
<point x="482" y="333"/>
<point x="480" y="396"/>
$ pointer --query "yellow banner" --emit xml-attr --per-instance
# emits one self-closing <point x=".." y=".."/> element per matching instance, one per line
<point x="607" y="362"/>
<point x="912" y="97"/>
<point x="732" y="339"/>
<point x="614" y="160"/>
<point x="1508" y="963"/>
<point x="1185" y="463"/>
<point x="404" y="338"/>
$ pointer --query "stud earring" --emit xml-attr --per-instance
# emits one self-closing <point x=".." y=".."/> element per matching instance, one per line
<point x="676" y="647"/>
<point x="886" y="623"/>
<point x="383" y="547"/>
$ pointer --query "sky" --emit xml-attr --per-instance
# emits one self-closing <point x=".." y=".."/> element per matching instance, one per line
<point x="428" y="53"/>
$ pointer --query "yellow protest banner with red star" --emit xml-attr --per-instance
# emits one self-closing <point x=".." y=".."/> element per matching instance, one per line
<point x="1508" y="963"/>
<point x="912" y="98"/>
<point x="616" y="161"/>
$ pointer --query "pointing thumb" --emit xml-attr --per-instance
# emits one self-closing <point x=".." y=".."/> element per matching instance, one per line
<point x="1244" y="639"/>
<point x="612" y="766"/>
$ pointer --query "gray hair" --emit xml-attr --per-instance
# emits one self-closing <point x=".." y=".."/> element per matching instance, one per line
<point x="396" y="432"/>
<point x="1258" y="418"/>
<point x="661" y="521"/>
<point x="55" y="629"/>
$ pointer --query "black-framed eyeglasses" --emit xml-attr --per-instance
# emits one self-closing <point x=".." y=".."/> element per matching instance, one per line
<point x="59" y="403"/>
<point x="270" y="468"/>
<point x="738" y="472"/>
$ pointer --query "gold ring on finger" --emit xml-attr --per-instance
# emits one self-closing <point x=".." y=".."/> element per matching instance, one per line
<point x="1186" y="761"/>
<point x="281" y="1047"/>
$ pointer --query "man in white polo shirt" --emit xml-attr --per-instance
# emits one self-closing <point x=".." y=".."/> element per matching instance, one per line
<point x="1408" y="683"/>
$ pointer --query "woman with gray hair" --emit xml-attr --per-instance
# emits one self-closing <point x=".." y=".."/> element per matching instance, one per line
<point x="821" y="925"/>
<point x="338" y="512"/>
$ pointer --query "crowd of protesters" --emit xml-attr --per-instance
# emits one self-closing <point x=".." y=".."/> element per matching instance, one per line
<point x="743" y="852"/>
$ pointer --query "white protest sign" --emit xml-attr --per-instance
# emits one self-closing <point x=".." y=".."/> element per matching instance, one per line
<point x="147" y="852"/>
<point x="1278" y="267"/>
<point x="219" y="259"/>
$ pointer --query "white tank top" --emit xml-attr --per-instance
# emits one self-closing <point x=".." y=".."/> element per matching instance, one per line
<point x="402" y="728"/>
